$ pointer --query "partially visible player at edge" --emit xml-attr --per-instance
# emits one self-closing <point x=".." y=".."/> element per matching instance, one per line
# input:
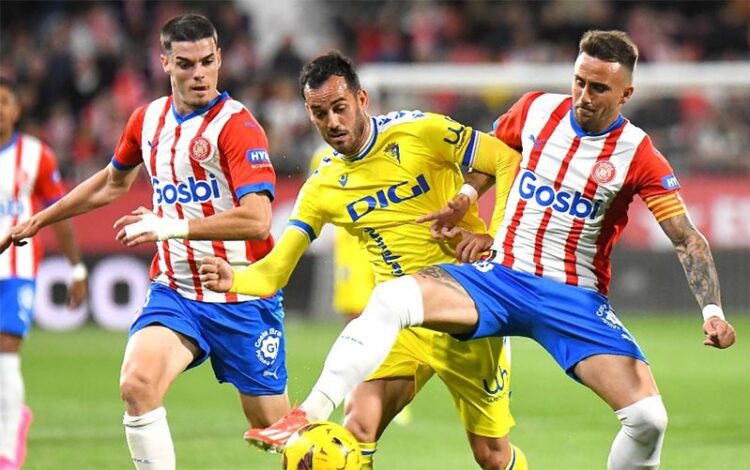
<point x="582" y="165"/>
<point x="30" y="179"/>
<point x="207" y="159"/>
<point x="385" y="172"/>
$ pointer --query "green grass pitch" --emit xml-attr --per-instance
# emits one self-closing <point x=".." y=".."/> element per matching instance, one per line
<point x="72" y="387"/>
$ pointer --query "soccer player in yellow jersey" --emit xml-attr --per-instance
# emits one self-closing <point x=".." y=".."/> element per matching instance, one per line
<point x="353" y="277"/>
<point x="382" y="174"/>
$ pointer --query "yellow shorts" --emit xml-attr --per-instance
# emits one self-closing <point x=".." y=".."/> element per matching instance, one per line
<point x="353" y="278"/>
<point x="477" y="374"/>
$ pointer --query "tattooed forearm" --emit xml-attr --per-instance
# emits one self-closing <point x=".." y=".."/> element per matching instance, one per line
<point x="695" y="256"/>
<point x="700" y="270"/>
<point x="438" y="274"/>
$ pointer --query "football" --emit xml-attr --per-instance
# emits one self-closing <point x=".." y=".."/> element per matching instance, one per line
<point x="322" y="445"/>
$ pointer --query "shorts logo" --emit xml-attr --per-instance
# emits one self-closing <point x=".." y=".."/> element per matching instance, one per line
<point x="267" y="346"/>
<point x="497" y="384"/>
<point x="609" y="318"/>
<point x="603" y="172"/>
<point x="200" y="149"/>
<point x="483" y="266"/>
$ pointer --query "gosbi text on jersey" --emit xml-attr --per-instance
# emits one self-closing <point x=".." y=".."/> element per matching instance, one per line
<point x="199" y="165"/>
<point x="568" y="204"/>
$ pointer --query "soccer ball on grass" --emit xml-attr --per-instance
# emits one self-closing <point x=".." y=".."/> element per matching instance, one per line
<point x="322" y="446"/>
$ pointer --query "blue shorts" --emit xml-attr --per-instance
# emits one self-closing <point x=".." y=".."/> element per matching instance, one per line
<point x="16" y="305"/>
<point x="244" y="340"/>
<point x="571" y="323"/>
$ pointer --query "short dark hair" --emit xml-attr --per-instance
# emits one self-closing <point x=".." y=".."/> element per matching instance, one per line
<point x="323" y="67"/>
<point x="189" y="27"/>
<point x="612" y="46"/>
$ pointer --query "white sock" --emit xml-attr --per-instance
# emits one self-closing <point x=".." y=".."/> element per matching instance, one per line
<point x="639" y="442"/>
<point x="364" y="343"/>
<point x="11" y="401"/>
<point x="149" y="440"/>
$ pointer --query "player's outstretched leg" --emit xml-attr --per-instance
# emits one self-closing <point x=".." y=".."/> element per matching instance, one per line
<point x="359" y="350"/>
<point x="431" y="296"/>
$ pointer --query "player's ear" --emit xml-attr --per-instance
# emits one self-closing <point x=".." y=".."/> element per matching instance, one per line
<point x="626" y="94"/>
<point x="363" y="98"/>
<point x="164" y="63"/>
<point x="218" y="57"/>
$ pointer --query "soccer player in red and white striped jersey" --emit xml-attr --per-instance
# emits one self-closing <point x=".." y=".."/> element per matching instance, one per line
<point x="208" y="162"/>
<point x="30" y="180"/>
<point x="548" y="275"/>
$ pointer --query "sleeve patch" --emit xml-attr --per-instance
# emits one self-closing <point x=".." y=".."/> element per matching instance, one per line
<point x="670" y="182"/>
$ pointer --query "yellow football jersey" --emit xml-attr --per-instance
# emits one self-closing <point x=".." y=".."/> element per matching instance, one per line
<point x="353" y="277"/>
<point x="410" y="165"/>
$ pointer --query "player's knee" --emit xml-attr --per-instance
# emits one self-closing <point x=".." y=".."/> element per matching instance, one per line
<point x="136" y="389"/>
<point x="644" y="421"/>
<point x="397" y="300"/>
<point x="363" y="430"/>
<point x="489" y="458"/>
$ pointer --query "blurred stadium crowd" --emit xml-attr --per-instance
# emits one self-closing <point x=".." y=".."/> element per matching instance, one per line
<point x="83" y="67"/>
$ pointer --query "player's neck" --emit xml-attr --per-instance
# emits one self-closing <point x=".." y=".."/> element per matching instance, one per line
<point x="363" y="139"/>
<point x="183" y="108"/>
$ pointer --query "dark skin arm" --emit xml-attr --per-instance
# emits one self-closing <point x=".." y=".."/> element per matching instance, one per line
<point x="698" y="263"/>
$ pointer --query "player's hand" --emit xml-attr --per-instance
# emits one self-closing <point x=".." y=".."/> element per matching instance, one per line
<point x="18" y="233"/>
<point x="472" y="246"/>
<point x="137" y="237"/>
<point x="5" y="241"/>
<point x="719" y="333"/>
<point x="77" y="293"/>
<point x="448" y="216"/>
<point x="216" y="274"/>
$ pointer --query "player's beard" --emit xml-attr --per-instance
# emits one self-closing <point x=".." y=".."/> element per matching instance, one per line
<point x="360" y="130"/>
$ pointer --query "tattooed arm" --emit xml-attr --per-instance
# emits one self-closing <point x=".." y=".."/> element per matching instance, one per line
<point x="695" y="257"/>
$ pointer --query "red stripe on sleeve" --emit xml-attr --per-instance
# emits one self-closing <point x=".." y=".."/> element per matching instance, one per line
<point x="509" y="125"/>
<point x="128" y="151"/>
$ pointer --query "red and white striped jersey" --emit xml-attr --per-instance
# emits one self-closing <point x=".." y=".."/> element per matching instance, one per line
<point x="29" y="180"/>
<point x="199" y="165"/>
<point x="569" y="201"/>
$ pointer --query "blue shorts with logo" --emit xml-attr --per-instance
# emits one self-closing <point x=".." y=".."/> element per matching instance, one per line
<point x="571" y="323"/>
<point x="245" y="340"/>
<point x="16" y="305"/>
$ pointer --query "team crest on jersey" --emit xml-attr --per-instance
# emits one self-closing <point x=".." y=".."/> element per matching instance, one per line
<point x="603" y="172"/>
<point x="393" y="150"/>
<point x="267" y="346"/>
<point x="200" y="149"/>
<point x="343" y="179"/>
